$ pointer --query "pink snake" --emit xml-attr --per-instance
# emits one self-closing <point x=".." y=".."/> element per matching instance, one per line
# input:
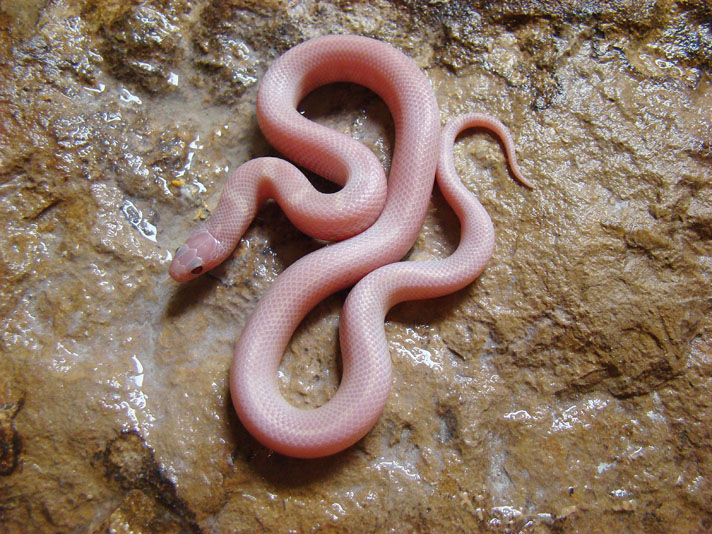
<point x="376" y="234"/>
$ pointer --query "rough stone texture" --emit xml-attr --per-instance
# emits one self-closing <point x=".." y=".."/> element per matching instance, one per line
<point x="568" y="390"/>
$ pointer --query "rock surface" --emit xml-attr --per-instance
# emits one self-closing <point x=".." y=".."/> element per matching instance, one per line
<point x="568" y="390"/>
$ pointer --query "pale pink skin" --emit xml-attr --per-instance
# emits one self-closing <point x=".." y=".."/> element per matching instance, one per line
<point x="380" y="225"/>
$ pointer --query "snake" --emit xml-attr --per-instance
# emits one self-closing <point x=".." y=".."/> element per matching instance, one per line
<point x="371" y="223"/>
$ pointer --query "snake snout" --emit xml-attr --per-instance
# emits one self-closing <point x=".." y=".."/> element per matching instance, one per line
<point x="199" y="254"/>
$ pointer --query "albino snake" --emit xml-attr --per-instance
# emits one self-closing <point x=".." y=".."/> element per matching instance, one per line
<point x="380" y="224"/>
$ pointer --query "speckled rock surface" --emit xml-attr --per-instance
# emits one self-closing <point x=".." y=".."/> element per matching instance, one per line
<point x="568" y="390"/>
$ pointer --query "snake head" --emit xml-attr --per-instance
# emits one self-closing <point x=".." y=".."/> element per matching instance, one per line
<point x="200" y="253"/>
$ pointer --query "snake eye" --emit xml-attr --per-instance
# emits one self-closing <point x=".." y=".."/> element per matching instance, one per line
<point x="197" y="270"/>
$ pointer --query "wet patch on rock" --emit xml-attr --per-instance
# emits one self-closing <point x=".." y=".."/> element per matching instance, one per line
<point x="142" y="41"/>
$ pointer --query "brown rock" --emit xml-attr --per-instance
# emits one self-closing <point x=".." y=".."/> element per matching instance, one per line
<point x="567" y="390"/>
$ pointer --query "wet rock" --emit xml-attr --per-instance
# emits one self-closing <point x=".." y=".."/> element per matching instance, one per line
<point x="569" y="386"/>
<point x="142" y="41"/>
<point x="11" y="402"/>
<point x="151" y="503"/>
<point x="229" y="60"/>
<point x="139" y="513"/>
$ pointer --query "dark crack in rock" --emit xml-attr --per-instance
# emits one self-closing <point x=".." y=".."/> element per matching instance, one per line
<point x="11" y="402"/>
<point x="151" y="503"/>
